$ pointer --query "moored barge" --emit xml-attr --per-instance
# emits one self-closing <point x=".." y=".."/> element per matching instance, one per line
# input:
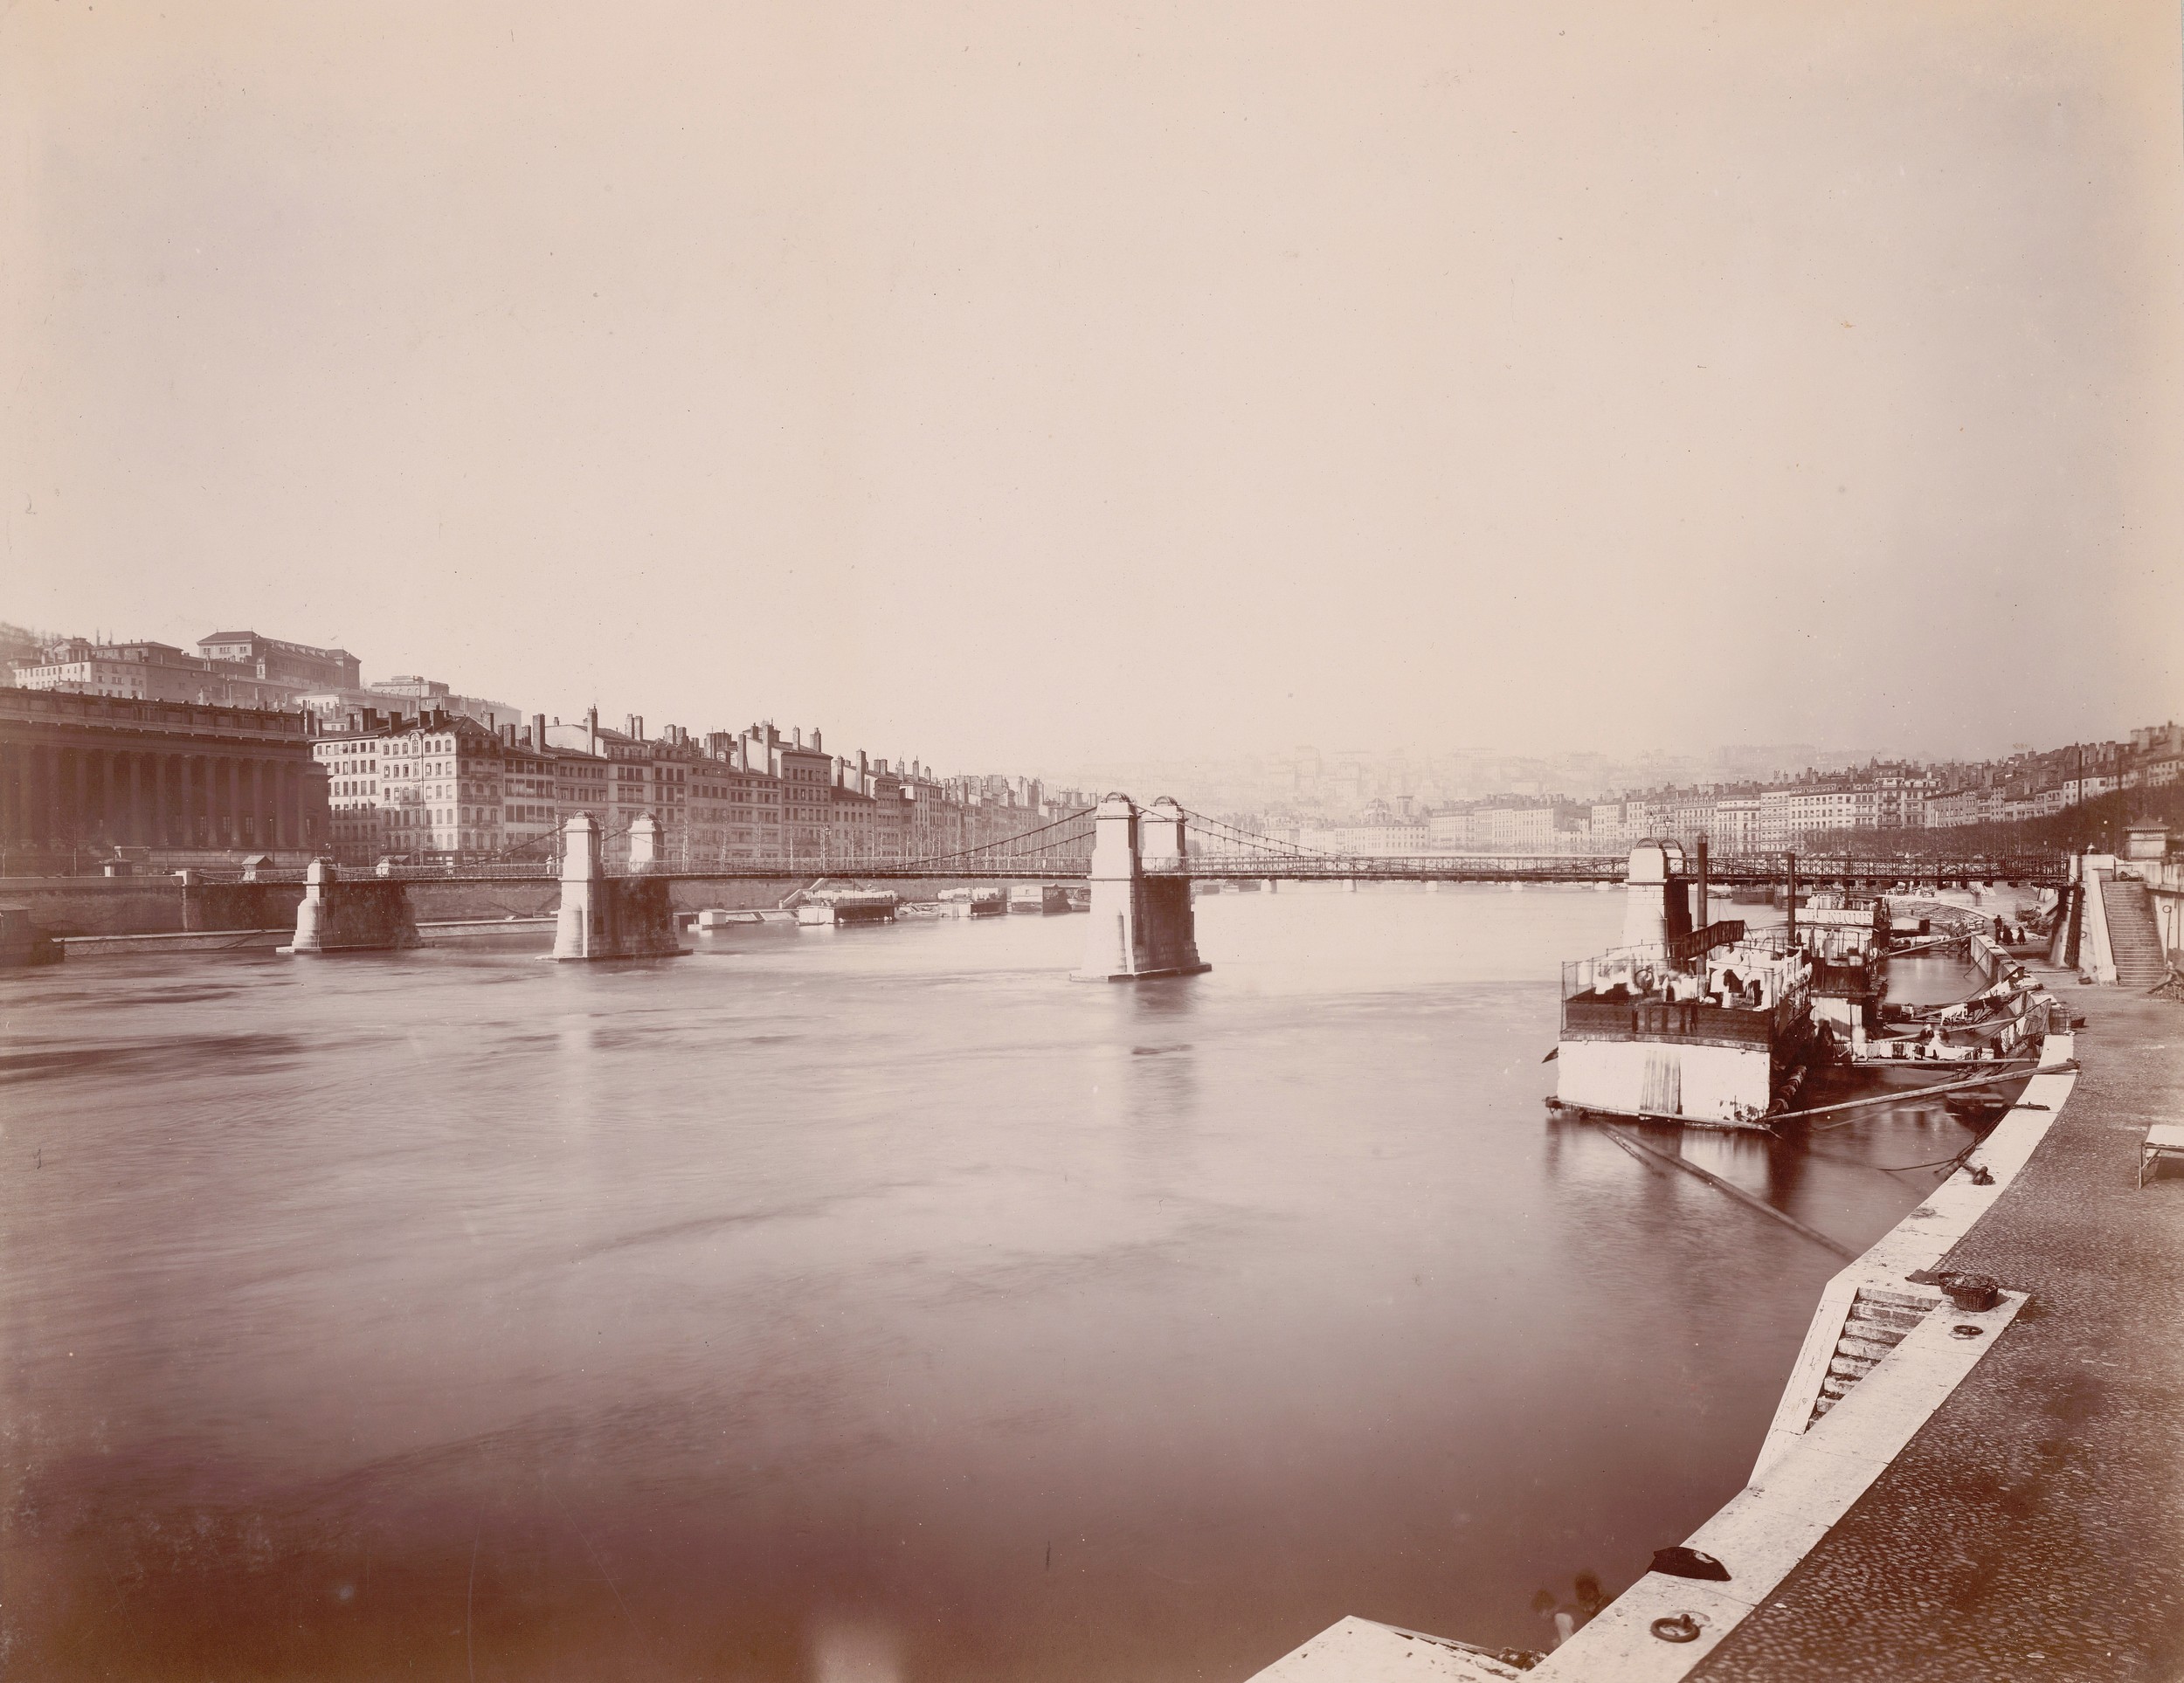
<point x="1710" y="1026"/>
<point x="1712" y="1029"/>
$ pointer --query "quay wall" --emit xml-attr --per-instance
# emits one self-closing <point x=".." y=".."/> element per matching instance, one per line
<point x="1921" y="1239"/>
<point x="162" y="905"/>
<point x="143" y="906"/>
<point x="128" y="905"/>
<point x="1815" y="1465"/>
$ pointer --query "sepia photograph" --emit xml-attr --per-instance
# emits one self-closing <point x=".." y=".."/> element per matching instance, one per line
<point x="846" y="842"/>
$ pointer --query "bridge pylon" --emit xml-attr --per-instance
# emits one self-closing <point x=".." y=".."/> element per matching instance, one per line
<point x="350" y="917"/>
<point x="1142" y="926"/>
<point x="1657" y="895"/>
<point x="602" y="916"/>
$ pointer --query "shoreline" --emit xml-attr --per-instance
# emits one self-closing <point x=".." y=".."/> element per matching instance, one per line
<point x="1896" y="1396"/>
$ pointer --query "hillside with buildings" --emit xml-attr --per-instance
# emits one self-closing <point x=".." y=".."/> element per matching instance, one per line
<point x="1879" y="804"/>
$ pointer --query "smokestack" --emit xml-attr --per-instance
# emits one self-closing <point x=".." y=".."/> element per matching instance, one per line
<point x="816" y="743"/>
<point x="538" y="731"/>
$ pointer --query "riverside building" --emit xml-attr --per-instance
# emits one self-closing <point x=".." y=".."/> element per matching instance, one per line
<point x="444" y="788"/>
<point x="154" y="671"/>
<point x="96" y="772"/>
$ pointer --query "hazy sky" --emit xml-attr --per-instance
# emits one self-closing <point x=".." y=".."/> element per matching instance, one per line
<point x="1019" y="385"/>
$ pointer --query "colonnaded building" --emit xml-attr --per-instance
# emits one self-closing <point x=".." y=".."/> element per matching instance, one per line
<point x="84" y="775"/>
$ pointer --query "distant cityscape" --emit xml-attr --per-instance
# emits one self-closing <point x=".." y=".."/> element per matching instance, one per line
<point x="1743" y="798"/>
<point x="411" y="768"/>
<point x="1737" y="814"/>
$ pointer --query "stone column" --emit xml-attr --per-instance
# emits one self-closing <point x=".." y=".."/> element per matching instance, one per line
<point x="45" y="794"/>
<point x="91" y="825"/>
<point x="185" y="802"/>
<point x="10" y="796"/>
<point x="101" y="783"/>
<point x="50" y="822"/>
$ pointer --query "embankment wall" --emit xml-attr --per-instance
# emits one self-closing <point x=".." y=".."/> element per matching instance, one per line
<point x="124" y="905"/>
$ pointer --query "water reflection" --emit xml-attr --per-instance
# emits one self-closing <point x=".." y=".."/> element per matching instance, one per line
<point x="878" y="1307"/>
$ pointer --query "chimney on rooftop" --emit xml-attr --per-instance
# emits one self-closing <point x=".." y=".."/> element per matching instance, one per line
<point x="538" y="730"/>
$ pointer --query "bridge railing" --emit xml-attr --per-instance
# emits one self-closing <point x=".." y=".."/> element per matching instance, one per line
<point x="1062" y="849"/>
<point x="1424" y="866"/>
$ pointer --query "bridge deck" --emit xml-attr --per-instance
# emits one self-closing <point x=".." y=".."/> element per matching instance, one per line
<point x="1874" y="874"/>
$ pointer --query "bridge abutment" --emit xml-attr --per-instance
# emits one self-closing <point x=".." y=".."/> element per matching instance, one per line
<point x="609" y="917"/>
<point x="351" y="917"/>
<point x="1142" y="926"/>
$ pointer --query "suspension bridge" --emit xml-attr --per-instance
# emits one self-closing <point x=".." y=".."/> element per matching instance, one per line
<point x="1179" y="842"/>
<point x="1143" y="864"/>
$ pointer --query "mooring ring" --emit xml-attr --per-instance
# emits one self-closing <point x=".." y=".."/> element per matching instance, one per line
<point x="1677" y="1627"/>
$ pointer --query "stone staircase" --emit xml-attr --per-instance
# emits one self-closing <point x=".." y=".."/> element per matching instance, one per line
<point x="2132" y="939"/>
<point x="1879" y="1317"/>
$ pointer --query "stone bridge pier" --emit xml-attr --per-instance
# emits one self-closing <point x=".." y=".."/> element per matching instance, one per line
<point x="335" y="916"/>
<point x="612" y="917"/>
<point x="1141" y="925"/>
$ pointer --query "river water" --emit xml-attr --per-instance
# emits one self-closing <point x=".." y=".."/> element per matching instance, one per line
<point x="866" y="1304"/>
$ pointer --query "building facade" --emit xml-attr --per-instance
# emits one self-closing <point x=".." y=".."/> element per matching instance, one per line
<point x="90" y="773"/>
<point x="149" y="672"/>
<point x="442" y="787"/>
<point x="299" y="665"/>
